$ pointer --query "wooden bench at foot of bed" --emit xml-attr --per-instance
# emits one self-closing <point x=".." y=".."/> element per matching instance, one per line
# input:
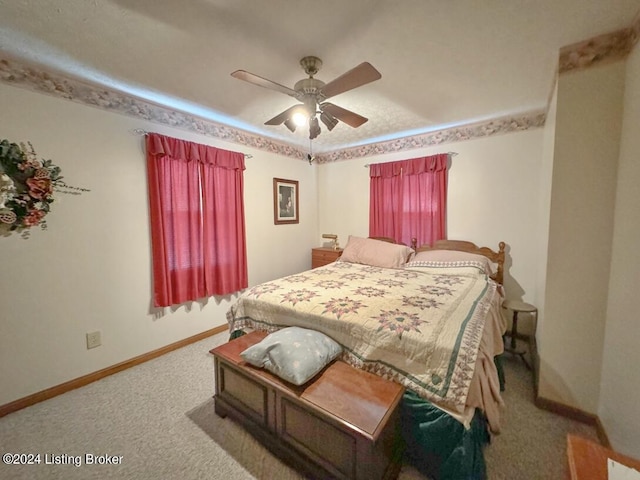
<point x="344" y="423"/>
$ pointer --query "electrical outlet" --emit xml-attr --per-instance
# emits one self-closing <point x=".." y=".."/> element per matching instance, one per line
<point x="93" y="340"/>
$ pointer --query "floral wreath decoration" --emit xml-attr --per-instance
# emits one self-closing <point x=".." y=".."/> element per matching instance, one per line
<point x="27" y="187"/>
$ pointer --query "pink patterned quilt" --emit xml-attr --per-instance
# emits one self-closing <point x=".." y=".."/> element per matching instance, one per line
<point x="420" y="326"/>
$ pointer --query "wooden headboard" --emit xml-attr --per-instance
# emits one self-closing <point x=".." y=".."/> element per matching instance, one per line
<point x="391" y="240"/>
<point x="470" y="247"/>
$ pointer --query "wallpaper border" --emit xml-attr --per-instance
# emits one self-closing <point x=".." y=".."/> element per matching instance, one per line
<point x="498" y="126"/>
<point x="607" y="47"/>
<point x="17" y="73"/>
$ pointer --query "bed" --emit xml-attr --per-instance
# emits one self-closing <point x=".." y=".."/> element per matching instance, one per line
<point x="430" y="320"/>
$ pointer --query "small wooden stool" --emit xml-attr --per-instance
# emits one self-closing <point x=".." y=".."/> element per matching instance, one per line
<point x="516" y="306"/>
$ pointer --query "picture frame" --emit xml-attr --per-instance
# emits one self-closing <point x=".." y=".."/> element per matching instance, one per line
<point x="285" y="201"/>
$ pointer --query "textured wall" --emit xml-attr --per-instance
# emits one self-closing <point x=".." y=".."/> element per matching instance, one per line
<point x="620" y="392"/>
<point x="493" y="196"/>
<point x="587" y="135"/>
<point x="91" y="269"/>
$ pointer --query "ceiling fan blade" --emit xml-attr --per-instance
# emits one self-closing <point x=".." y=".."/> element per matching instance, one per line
<point x="350" y="118"/>
<point x="356" y="77"/>
<point x="284" y="116"/>
<point x="262" y="82"/>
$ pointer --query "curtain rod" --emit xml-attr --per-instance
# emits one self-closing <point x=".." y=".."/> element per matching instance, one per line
<point x="451" y="154"/>
<point x="142" y="132"/>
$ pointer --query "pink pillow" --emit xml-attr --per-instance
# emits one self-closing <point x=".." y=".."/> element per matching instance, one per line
<point x="453" y="256"/>
<point x="375" y="252"/>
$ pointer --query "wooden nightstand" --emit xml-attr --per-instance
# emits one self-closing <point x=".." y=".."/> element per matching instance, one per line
<point x="516" y="307"/>
<point x="323" y="256"/>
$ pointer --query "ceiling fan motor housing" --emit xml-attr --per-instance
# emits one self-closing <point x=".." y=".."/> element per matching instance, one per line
<point x="308" y="92"/>
<point x="309" y="86"/>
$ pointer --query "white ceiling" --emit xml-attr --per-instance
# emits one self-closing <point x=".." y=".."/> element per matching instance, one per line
<point x="443" y="63"/>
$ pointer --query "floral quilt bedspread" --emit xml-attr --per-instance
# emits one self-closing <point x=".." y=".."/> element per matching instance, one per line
<point x="419" y="326"/>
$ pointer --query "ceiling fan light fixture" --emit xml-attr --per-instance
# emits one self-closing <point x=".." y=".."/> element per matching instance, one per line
<point x="314" y="128"/>
<point x="299" y="118"/>
<point x="329" y="120"/>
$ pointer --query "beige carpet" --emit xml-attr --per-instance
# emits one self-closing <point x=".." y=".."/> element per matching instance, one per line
<point x="159" y="417"/>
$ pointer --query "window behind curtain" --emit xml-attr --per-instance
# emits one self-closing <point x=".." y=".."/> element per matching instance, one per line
<point x="197" y="220"/>
<point x="408" y="199"/>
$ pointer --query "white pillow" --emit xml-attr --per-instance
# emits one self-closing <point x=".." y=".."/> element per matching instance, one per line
<point x="294" y="354"/>
<point x="445" y="256"/>
<point x="376" y="253"/>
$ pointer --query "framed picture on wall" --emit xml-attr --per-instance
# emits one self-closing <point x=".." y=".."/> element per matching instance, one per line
<point x="285" y="201"/>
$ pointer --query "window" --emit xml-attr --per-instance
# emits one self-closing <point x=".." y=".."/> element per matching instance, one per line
<point x="408" y="199"/>
<point x="197" y="220"/>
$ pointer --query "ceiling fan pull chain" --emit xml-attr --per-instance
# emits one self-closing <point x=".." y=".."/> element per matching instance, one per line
<point x="310" y="157"/>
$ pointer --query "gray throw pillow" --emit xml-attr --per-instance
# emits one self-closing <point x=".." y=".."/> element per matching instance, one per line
<point x="294" y="354"/>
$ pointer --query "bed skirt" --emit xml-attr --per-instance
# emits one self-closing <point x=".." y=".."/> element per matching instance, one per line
<point x="441" y="447"/>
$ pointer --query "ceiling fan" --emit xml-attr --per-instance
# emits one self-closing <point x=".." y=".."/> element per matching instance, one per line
<point x="312" y="95"/>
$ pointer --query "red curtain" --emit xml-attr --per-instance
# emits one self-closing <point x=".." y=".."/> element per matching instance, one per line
<point x="197" y="220"/>
<point x="408" y="199"/>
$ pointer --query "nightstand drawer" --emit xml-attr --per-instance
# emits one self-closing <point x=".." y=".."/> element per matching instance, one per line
<point x="323" y="256"/>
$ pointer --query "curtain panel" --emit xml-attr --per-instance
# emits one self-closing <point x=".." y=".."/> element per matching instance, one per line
<point x="408" y="199"/>
<point x="197" y="220"/>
